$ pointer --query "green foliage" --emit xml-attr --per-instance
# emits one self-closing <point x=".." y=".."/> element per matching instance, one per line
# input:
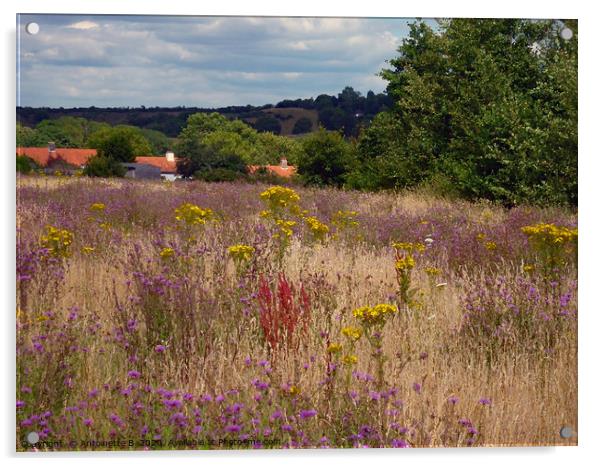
<point x="117" y="146"/>
<point x="104" y="167"/>
<point x="29" y="137"/>
<point x="268" y="124"/>
<point x="302" y="125"/>
<point x="210" y="138"/>
<point x="135" y="136"/>
<point x="68" y="131"/>
<point x="326" y="159"/>
<point x="488" y="105"/>
<point x="158" y="141"/>
<point x="198" y="157"/>
<point x="25" y="164"/>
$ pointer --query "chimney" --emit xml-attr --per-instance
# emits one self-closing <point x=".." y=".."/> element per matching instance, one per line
<point x="169" y="155"/>
<point x="283" y="163"/>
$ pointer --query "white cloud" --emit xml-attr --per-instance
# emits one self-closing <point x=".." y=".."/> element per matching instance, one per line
<point x="83" y="25"/>
<point x="117" y="61"/>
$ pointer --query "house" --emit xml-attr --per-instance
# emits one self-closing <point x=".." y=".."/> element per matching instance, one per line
<point x="284" y="169"/>
<point x="167" y="165"/>
<point x="142" y="171"/>
<point x="53" y="159"/>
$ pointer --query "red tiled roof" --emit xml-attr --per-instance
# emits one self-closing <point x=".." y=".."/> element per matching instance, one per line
<point x="159" y="162"/>
<point x="80" y="157"/>
<point x="43" y="157"/>
<point x="276" y="169"/>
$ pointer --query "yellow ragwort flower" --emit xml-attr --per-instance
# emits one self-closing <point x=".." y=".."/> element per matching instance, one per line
<point x="167" y="253"/>
<point x="334" y="348"/>
<point x="241" y="252"/>
<point x="353" y="333"/>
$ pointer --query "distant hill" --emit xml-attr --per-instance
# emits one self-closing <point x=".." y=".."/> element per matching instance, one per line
<point x="288" y="117"/>
<point x="345" y="112"/>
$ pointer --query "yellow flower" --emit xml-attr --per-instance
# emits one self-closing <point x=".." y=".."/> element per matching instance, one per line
<point x="334" y="348"/>
<point x="286" y="227"/>
<point x="87" y="249"/>
<point x="57" y="241"/>
<point x="374" y="315"/>
<point x="318" y="229"/>
<point x="167" y="253"/>
<point x="404" y="264"/>
<point x="293" y="390"/>
<point x="409" y="247"/>
<point x="350" y="359"/>
<point x="97" y="207"/>
<point x="353" y="333"/>
<point x="480" y="236"/>
<point x="549" y="233"/>
<point x="528" y="268"/>
<point x="192" y="214"/>
<point x="241" y="252"/>
<point x="432" y="271"/>
<point x="279" y="198"/>
<point x="491" y="245"/>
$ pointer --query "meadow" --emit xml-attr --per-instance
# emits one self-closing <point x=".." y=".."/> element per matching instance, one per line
<point x="195" y="315"/>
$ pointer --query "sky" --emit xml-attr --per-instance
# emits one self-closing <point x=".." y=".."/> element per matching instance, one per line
<point x="121" y="61"/>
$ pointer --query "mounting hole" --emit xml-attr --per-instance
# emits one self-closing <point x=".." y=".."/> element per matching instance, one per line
<point x="566" y="34"/>
<point x="32" y="28"/>
<point x="33" y="438"/>
<point x="566" y="432"/>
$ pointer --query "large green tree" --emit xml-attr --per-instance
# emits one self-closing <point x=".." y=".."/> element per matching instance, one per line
<point x="489" y="104"/>
<point x="138" y="142"/>
<point x="326" y="158"/>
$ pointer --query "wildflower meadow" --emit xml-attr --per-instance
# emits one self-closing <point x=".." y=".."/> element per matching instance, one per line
<point x="191" y="315"/>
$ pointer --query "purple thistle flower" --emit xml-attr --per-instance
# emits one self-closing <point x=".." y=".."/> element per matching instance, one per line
<point x="233" y="428"/>
<point x="134" y="374"/>
<point x="160" y="348"/>
<point x="305" y="414"/>
<point x="399" y="443"/>
<point x="417" y="387"/>
<point x="465" y="422"/>
<point x="485" y="401"/>
<point x="88" y="422"/>
<point x="453" y="400"/>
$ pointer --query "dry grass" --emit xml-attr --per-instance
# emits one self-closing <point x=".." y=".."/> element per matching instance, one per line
<point x="532" y="395"/>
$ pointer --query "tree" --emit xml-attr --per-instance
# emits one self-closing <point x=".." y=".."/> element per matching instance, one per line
<point x="158" y="141"/>
<point x="268" y="123"/>
<point x="326" y="159"/>
<point x="302" y="125"/>
<point x="117" y="147"/>
<point x="25" y="164"/>
<point x="482" y="103"/>
<point x="200" y="158"/>
<point x="67" y="131"/>
<point x="135" y="136"/>
<point x="29" y="137"/>
<point x="104" y="167"/>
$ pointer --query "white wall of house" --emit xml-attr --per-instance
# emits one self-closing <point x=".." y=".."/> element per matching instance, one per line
<point x="170" y="176"/>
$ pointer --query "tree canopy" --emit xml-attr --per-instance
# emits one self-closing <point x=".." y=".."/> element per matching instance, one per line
<point x="490" y="105"/>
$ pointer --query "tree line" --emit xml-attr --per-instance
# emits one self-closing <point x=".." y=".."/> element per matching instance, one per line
<point x="346" y="111"/>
